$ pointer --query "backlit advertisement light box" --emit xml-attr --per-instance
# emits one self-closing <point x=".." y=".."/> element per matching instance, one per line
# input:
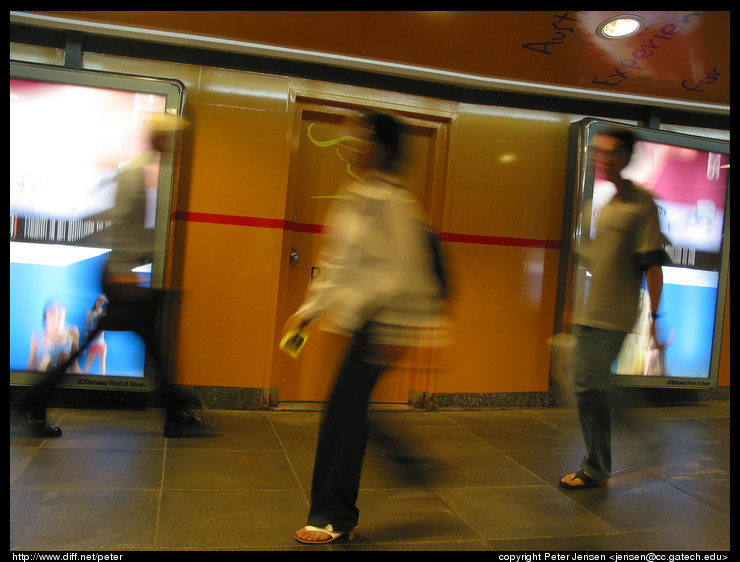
<point x="689" y="178"/>
<point x="71" y="132"/>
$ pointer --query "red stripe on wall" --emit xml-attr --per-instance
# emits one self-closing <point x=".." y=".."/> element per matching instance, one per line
<point x="501" y="241"/>
<point x="234" y="220"/>
<point x="305" y="227"/>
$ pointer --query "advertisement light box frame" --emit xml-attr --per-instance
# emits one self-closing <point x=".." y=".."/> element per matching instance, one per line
<point x="71" y="132"/>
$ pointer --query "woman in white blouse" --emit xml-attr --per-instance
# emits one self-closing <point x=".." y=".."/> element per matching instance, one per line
<point x="379" y="289"/>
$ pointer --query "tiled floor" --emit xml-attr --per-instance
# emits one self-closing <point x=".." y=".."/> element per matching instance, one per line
<point x="113" y="482"/>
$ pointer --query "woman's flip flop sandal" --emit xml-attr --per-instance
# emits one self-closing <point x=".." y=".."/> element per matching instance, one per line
<point x="328" y="530"/>
<point x="588" y="482"/>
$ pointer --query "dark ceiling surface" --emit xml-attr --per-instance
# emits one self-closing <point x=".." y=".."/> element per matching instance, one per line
<point x="679" y="56"/>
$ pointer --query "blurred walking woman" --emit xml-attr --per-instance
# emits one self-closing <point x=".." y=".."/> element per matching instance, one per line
<point x="380" y="290"/>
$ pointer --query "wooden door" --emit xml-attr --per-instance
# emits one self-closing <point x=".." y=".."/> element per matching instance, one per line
<point x="317" y="173"/>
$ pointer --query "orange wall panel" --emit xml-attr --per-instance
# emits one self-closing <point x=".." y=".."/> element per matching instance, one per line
<point x="505" y="215"/>
<point x="228" y="294"/>
<point x="508" y="173"/>
<point x="238" y="139"/>
<point x="503" y="312"/>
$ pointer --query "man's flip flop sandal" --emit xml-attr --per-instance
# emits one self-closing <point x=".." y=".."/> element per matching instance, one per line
<point x="588" y="482"/>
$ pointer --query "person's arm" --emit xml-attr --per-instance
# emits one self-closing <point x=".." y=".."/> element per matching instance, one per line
<point x="340" y="246"/>
<point x="651" y="256"/>
<point x="654" y="279"/>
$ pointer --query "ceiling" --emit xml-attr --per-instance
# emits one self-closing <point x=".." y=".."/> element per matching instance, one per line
<point x="679" y="57"/>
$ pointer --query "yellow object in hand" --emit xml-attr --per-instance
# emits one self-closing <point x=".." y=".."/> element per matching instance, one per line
<point x="294" y="340"/>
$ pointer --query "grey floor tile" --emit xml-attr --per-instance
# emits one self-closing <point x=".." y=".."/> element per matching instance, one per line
<point x="712" y="537"/>
<point x="227" y="470"/>
<point x="525" y="433"/>
<point x="231" y="437"/>
<point x="520" y="512"/>
<point x="638" y="503"/>
<point x="712" y="489"/>
<point x="86" y="469"/>
<point x="56" y="519"/>
<point x="297" y="437"/>
<point x="611" y="542"/>
<point x="210" y="520"/>
<point x="410" y="517"/>
<point x="19" y="459"/>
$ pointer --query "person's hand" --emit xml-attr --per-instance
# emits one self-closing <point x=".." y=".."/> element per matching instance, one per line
<point x="292" y="321"/>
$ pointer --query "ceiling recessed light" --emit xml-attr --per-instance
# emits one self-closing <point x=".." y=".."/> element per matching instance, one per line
<point x="619" y="27"/>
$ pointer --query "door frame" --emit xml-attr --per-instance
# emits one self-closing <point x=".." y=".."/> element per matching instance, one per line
<point x="436" y="116"/>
